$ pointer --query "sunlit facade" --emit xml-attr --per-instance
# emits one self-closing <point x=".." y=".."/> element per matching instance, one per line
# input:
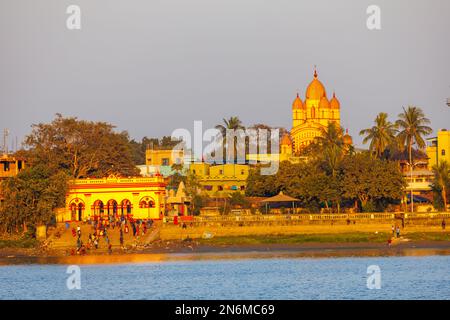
<point x="313" y="114"/>
<point x="139" y="198"/>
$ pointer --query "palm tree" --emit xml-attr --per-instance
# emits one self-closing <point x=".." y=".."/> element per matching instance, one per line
<point x="442" y="179"/>
<point x="412" y="125"/>
<point x="233" y="123"/>
<point x="381" y="135"/>
<point x="331" y="149"/>
<point x="330" y="145"/>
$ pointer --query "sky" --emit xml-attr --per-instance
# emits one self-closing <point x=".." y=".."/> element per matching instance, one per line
<point x="152" y="66"/>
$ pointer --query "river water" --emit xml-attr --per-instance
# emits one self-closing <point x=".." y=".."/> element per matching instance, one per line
<point x="423" y="277"/>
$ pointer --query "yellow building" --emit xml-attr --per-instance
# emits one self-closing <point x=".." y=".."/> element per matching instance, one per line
<point x="140" y="198"/>
<point x="220" y="180"/>
<point x="166" y="157"/>
<point x="309" y="116"/>
<point x="161" y="161"/>
<point x="438" y="149"/>
<point x="285" y="154"/>
<point x="9" y="167"/>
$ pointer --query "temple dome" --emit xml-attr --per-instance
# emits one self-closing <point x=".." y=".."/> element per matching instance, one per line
<point x="316" y="89"/>
<point x="286" y="140"/>
<point x="334" y="102"/>
<point x="324" y="103"/>
<point x="348" y="140"/>
<point x="297" y="104"/>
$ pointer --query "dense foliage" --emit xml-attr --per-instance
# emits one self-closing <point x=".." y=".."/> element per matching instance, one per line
<point x="31" y="198"/>
<point x="369" y="182"/>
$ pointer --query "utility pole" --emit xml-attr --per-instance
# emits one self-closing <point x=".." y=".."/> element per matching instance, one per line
<point x="5" y="141"/>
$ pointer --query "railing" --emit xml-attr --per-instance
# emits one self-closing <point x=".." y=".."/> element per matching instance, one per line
<point x="318" y="217"/>
<point x="117" y="180"/>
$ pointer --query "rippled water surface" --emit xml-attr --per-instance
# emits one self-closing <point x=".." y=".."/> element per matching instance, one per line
<point x="330" y="278"/>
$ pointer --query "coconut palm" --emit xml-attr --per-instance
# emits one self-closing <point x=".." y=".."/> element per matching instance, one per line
<point x="233" y="123"/>
<point x="330" y="146"/>
<point x="442" y="180"/>
<point x="413" y="126"/>
<point x="381" y="135"/>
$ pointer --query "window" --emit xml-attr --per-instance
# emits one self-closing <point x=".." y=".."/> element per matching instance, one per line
<point x="242" y="188"/>
<point x="242" y="172"/>
<point x="220" y="171"/>
<point x="220" y="188"/>
<point x="6" y="166"/>
<point x="165" y="161"/>
<point x="443" y="152"/>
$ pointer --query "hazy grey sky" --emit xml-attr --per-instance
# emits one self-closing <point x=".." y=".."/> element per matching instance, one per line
<point x="152" y="66"/>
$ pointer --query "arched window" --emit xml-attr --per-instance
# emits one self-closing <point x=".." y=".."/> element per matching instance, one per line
<point x="146" y="203"/>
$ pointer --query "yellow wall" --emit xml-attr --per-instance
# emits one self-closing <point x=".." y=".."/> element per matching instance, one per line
<point x="221" y="180"/>
<point x="163" y="157"/>
<point x="439" y="151"/>
<point x="145" y="196"/>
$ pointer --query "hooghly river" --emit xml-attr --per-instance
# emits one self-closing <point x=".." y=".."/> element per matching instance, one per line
<point x="406" y="277"/>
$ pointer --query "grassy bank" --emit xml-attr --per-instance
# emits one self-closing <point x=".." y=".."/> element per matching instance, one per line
<point x="356" y="237"/>
<point x="296" y="239"/>
<point x="18" y="243"/>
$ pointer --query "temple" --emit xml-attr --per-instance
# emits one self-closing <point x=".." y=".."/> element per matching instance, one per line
<point x="312" y="114"/>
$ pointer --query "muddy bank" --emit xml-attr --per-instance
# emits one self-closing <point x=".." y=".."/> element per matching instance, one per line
<point x="182" y="250"/>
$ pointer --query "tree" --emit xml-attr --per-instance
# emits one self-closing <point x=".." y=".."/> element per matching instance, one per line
<point x="381" y="135"/>
<point x="369" y="179"/>
<point x="233" y="123"/>
<point x="330" y="147"/>
<point x="32" y="196"/>
<point x="413" y="126"/>
<point x="260" y="185"/>
<point x="442" y="180"/>
<point x="81" y="148"/>
<point x="178" y="176"/>
<point x="237" y="199"/>
<point x="197" y="203"/>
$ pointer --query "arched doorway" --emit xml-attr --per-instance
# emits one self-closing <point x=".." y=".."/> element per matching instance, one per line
<point x="125" y="207"/>
<point x="80" y="211"/>
<point x="112" y="207"/>
<point x="98" y="208"/>
<point x="76" y="210"/>
<point x="73" y="212"/>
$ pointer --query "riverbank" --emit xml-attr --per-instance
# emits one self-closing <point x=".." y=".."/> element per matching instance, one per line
<point x="360" y="244"/>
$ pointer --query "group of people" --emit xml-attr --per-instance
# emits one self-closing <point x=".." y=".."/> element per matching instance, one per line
<point x="101" y="227"/>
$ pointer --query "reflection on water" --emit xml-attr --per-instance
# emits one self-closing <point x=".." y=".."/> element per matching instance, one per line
<point x="198" y="256"/>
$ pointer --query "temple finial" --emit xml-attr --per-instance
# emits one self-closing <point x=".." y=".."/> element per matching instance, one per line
<point x="315" y="71"/>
